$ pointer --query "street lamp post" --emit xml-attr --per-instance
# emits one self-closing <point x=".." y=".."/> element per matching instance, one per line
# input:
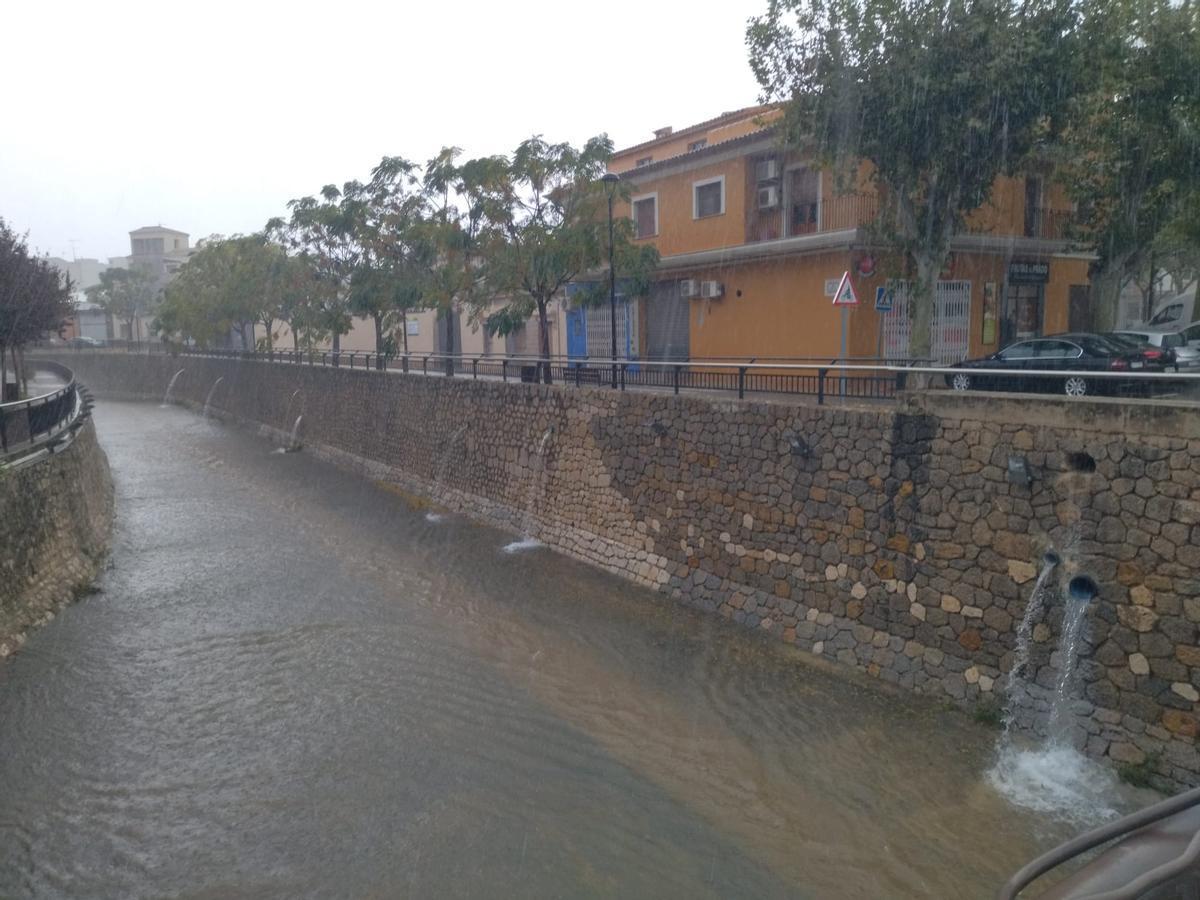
<point x="610" y="183"/>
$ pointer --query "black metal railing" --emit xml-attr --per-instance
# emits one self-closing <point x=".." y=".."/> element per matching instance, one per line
<point x="27" y="424"/>
<point x="826" y="380"/>
<point x="823" y="378"/>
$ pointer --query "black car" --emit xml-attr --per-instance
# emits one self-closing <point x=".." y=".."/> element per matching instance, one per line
<point x="1072" y="354"/>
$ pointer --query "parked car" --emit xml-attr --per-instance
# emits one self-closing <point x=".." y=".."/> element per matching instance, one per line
<point x="1187" y="355"/>
<point x="1147" y="349"/>
<point x="1072" y="354"/>
<point x="83" y="342"/>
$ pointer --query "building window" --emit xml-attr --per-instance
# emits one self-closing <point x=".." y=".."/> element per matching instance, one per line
<point x="645" y="161"/>
<point x="698" y="145"/>
<point x="708" y="197"/>
<point x="645" y="216"/>
<point x="803" y="201"/>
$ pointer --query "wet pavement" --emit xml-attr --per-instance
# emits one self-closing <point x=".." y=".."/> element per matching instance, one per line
<point x="293" y="685"/>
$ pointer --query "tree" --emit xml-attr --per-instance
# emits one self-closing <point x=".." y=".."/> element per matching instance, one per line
<point x="229" y="284"/>
<point x="300" y="293"/>
<point x="396" y="257"/>
<point x="1130" y="153"/>
<point x="34" y="299"/>
<point x="464" y="202"/>
<point x="939" y="97"/>
<point x="551" y="229"/>
<point x="127" y="295"/>
<point x="326" y="232"/>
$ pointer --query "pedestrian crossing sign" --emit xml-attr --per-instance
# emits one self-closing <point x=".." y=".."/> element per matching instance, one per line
<point x="845" y="296"/>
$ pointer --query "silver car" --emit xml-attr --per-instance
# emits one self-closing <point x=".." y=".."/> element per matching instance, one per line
<point x="1185" y="344"/>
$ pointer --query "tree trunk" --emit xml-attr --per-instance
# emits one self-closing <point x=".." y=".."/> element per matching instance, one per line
<point x="295" y="337"/>
<point x="337" y="341"/>
<point x="378" y="317"/>
<point x="404" y="329"/>
<point x="22" y="373"/>
<point x="920" y="304"/>
<point x="544" y="340"/>
<point x="7" y="394"/>
<point x="450" y="340"/>
<point x="1106" y="296"/>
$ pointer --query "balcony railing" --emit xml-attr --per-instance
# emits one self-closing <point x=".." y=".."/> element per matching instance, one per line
<point x="839" y="212"/>
<point x="1046" y="222"/>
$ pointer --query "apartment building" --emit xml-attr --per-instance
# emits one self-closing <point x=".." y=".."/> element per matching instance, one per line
<point x="754" y="239"/>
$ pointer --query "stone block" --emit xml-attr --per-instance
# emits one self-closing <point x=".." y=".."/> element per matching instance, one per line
<point x="1138" y="618"/>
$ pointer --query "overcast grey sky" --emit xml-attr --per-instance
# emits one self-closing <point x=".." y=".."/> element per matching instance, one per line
<point x="208" y="117"/>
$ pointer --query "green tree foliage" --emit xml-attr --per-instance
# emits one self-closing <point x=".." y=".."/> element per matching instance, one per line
<point x="327" y="232"/>
<point x="127" y="295"/>
<point x="1130" y="154"/>
<point x="397" y="253"/>
<point x="463" y="203"/>
<point x="939" y="96"/>
<point x="550" y="228"/>
<point x="300" y="296"/>
<point x="229" y="285"/>
<point x="35" y="298"/>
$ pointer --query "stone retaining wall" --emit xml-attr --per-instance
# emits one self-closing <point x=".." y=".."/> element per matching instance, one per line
<point x="886" y="538"/>
<point x="55" y="525"/>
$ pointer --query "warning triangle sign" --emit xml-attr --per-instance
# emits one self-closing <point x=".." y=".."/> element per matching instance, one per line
<point x="845" y="296"/>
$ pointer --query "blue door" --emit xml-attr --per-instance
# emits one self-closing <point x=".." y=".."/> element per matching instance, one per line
<point x="576" y="333"/>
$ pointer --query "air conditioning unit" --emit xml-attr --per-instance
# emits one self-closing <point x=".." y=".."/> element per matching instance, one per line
<point x="766" y="170"/>
<point x="768" y="197"/>
<point x="711" y="290"/>
<point x="688" y="288"/>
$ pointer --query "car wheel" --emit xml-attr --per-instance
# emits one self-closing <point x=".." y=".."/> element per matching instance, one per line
<point x="961" y="381"/>
<point x="1075" y="386"/>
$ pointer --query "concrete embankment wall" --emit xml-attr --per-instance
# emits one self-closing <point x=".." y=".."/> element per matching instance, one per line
<point x="55" y="526"/>
<point x="889" y="539"/>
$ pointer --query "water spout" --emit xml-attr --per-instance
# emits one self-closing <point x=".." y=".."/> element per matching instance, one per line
<point x="212" y="390"/>
<point x="170" y="385"/>
<point x="1082" y="589"/>
<point x="294" y="439"/>
<point x="1053" y="776"/>
<point x="441" y="469"/>
<point x="1017" y="685"/>
<point x="287" y="410"/>
<point x="537" y="489"/>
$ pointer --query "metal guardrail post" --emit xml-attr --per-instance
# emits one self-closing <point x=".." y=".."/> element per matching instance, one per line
<point x="821" y="386"/>
<point x="475" y="367"/>
<point x="675" y="377"/>
<point x="741" y="382"/>
<point x="424" y="365"/>
<point x="577" y="376"/>
<point x="623" y="365"/>
<point x="504" y="370"/>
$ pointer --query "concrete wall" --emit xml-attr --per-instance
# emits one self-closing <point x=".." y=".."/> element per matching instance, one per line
<point x="55" y="525"/>
<point x="888" y="539"/>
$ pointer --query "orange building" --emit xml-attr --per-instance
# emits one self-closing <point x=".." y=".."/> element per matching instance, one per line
<point x="754" y="240"/>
